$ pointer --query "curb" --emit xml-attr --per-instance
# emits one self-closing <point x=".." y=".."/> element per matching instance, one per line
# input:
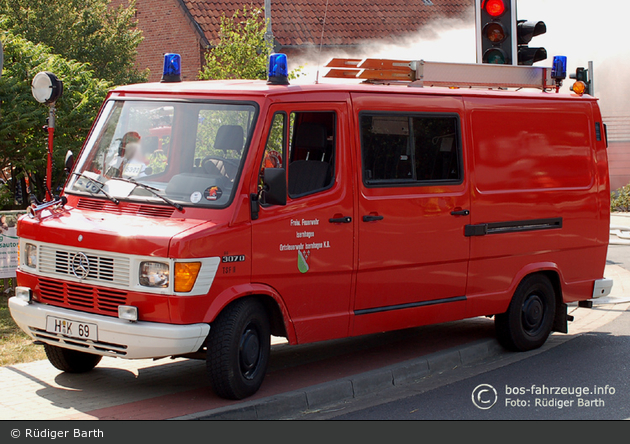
<point x="619" y="235"/>
<point x="344" y="389"/>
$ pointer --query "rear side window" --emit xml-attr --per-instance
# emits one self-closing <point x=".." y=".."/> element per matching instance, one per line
<point x="410" y="149"/>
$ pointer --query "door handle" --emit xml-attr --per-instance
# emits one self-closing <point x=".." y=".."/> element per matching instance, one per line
<point x="340" y="220"/>
<point x="371" y="218"/>
<point x="460" y="213"/>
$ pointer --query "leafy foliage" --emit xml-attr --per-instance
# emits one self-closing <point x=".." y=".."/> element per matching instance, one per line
<point x="242" y="50"/>
<point x="620" y="199"/>
<point x="23" y="143"/>
<point x="88" y="31"/>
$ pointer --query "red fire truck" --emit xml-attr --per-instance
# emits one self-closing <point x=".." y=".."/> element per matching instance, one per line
<point x="200" y="218"/>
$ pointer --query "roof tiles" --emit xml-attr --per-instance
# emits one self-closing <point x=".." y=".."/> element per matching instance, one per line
<point x="348" y="22"/>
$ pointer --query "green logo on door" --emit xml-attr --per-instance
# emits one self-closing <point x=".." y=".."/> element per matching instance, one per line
<point x="302" y="258"/>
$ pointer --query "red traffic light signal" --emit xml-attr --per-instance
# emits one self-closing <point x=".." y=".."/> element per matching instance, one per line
<point x="494" y="7"/>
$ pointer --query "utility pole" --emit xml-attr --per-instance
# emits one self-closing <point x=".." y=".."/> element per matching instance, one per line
<point x="269" y="32"/>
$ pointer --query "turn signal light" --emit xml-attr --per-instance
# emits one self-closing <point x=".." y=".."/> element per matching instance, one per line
<point x="579" y="87"/>
<point x="186" y="275"/>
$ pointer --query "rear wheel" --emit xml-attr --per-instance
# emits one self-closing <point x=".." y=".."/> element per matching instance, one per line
<point x="238" y="349"/>
<point x="527" y="323"/>
<point x="71" y="361"/>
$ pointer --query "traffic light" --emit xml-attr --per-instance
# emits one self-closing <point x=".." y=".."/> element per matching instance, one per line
<point x="526" y="30"/>
<point x="582" y="83"/>
<point x="496" y="24"/>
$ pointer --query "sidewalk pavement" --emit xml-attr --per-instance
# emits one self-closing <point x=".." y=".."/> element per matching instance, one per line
<point x="301" y="378"/>
<point x="620" y="229"/>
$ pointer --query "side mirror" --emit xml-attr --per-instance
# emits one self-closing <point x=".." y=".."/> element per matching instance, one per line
<point x="275" y="186"/>
<point x="69" y="162"/>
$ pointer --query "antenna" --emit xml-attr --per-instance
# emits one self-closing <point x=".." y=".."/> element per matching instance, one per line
<point x="321" y="42"/>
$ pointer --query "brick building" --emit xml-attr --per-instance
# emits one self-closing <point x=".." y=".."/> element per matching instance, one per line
<point x="190" y="27"/>
<point x="618" y="137"/>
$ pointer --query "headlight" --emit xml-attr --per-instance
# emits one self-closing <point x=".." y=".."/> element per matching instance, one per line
<point x="30" y="255"/>
<point x="154" y="274"/>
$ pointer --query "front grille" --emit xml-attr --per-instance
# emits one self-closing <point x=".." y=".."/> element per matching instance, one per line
<point x="103" y="268"/>
<point x="82" y="296"/>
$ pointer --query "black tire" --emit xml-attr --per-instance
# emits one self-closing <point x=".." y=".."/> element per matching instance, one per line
<point x="71" y="361"/>
<point x="238" y="349"/>
<point x="527" y="323"/>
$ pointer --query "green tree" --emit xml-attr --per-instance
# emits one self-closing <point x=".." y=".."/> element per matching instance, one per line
<point x="23" y="144"/>
<point x="89" y="31"/>
<point x="242" y="50"/>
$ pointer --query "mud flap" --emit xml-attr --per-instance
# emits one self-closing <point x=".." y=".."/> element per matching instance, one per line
<point x="561" y="322"/>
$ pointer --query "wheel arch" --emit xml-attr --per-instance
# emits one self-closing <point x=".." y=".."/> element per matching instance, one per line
<point x="279" y="318"/>
<point x="551" y="271"/>
<point x="548" y="269"/>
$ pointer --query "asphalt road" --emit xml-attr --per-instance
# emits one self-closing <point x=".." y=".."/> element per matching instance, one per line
<point x="618" y="255"/>
<point x="585" y="378"/>
<point x="578" y="378"/>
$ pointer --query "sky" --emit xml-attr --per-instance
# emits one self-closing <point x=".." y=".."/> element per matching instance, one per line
<point x="588" y="31"/>
<point x="575" y="29"/>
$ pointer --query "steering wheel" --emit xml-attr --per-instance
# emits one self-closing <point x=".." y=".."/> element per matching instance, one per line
<point x="210" y="167"/>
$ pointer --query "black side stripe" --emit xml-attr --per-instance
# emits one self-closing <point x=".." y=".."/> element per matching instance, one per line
<point x="364" y="311"/>
<point x="513" y="226"/>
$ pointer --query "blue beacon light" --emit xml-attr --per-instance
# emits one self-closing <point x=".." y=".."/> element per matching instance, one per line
<point x="559" y="70"/>
<point x="172" y="68"/>
<point x="278" y="73"/>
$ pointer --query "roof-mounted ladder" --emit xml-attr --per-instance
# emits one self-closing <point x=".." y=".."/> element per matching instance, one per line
<point x="457" y="75"/>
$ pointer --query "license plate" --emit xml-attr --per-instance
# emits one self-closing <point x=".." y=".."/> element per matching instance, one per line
<point x="73" y="329"/>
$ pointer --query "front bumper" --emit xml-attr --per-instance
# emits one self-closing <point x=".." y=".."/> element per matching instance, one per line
<point x="116" y="337"/>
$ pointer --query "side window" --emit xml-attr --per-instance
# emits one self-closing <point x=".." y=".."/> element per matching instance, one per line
<point x="311" y="153"/>
<point x="416" y="149"/>
<point x="274" y="149"/>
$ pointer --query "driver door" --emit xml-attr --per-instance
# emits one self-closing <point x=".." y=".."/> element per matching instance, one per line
<point x="305" y="249"/>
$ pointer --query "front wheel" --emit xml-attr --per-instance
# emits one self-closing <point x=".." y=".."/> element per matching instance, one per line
<point x="527" y="323"/>
<point x="238" y="349"/>
<point x="71" y="361"/>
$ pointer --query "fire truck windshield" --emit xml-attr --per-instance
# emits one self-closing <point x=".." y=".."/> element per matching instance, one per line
<point x="182" y="153"/>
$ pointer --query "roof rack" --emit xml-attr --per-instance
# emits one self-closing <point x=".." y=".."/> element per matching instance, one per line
<point x="456" y="75"/>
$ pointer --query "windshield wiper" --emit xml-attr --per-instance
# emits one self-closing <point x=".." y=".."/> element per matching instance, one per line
<point x="101" y="190"/>
<point x="151" y="190"/>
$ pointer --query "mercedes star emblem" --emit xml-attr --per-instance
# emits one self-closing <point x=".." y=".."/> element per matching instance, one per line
<point x="80" y="265"/>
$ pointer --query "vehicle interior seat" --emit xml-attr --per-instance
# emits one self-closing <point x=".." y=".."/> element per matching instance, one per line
<point x="310" y="172"/>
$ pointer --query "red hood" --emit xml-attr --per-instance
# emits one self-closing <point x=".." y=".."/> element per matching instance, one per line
<point x="141" y="235"/>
